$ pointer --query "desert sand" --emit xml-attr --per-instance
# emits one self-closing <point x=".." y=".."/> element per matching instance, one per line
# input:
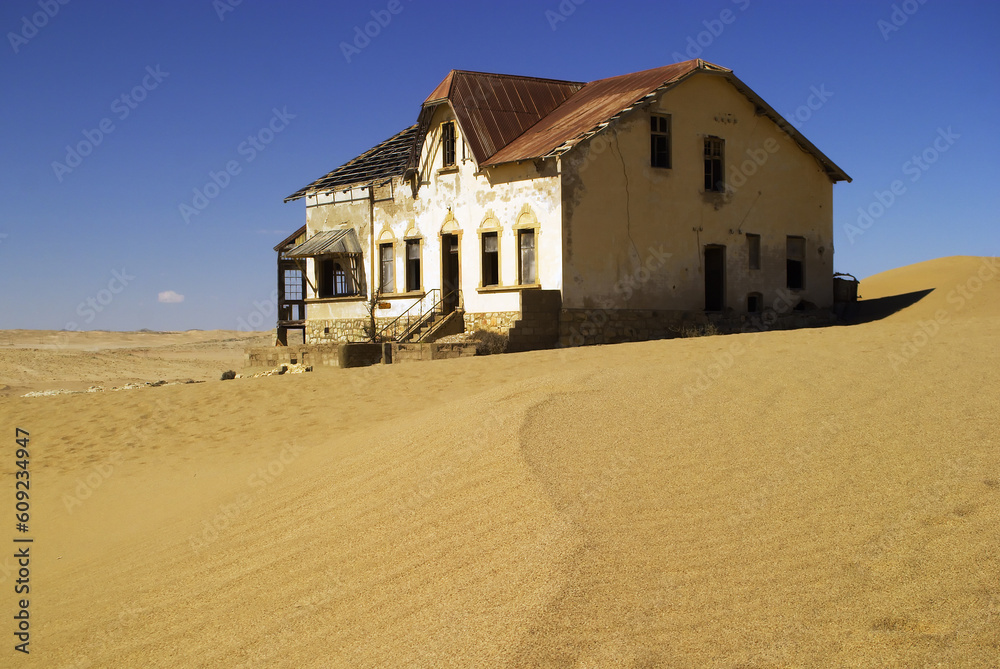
<point x="815" y="498"/>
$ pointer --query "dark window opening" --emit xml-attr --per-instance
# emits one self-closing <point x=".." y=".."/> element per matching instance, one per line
<point x="714" y="180"/>
<point x="413" y="265"/>
<point x="491" y="259"/>
<point x="795" y="264"/>
<point x="334" y="278"/>
<point x="386" y="263"/>
<point x="755" y="303"/>
<point x="715" y="278"/>
<point x="526" y="257"/>
<point x="753" y="250"/>
<point x="659" y="141"/>
<point x="448" y="144"/>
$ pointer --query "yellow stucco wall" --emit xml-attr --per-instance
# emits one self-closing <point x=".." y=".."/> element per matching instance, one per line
<point x="614" y="246"/>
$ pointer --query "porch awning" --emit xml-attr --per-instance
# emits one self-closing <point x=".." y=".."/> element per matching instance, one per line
<point x="328" y="242"/>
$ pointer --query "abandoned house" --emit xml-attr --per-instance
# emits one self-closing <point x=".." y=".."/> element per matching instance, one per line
<point x="567" y="213"/>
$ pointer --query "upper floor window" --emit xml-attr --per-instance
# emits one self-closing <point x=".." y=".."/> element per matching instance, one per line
<point x="448" y="144"/>
<point x="714" y="155"/>
<point x="659" y="141"/>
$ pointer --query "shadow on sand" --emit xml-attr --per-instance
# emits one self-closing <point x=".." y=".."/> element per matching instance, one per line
<point x="866" y="311"/>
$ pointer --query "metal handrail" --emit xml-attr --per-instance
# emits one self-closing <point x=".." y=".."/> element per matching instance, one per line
<point x="393" y="327"/>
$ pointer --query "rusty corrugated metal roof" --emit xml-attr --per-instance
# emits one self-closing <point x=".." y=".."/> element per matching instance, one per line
<point x="376" y="165"/>
<point x="594" y="105"/>
<point x="494" y="109"/>
<point x="327" y="242"/>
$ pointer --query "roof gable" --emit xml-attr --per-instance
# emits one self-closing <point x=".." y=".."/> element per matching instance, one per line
<point x="494" y="109"/>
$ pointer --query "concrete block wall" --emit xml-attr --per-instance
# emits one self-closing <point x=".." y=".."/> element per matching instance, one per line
<point x="269" y="357"/>
<point x="435" y="351"/>
<point x="538" y="326"/>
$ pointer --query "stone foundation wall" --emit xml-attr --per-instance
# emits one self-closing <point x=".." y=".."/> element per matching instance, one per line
<point x="435" y="351"/>
<point x="340" y="330"/>
<point x="493" y="321"/>
<point x="582" y="327"/>
<point x="270" y="357"/>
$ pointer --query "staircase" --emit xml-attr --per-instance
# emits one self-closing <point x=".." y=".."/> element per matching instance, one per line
<point x="436" y="326"/>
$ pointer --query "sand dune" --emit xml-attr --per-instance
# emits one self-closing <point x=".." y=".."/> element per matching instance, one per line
<point x="815" y="498"/>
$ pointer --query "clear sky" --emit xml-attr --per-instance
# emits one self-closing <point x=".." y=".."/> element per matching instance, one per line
<point x="152" y="98"/>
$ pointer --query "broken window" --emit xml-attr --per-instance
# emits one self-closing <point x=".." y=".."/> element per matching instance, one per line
<point x="526" y="257"/>
<point x="491" y="259"/>
<point x="413" y="281"/>
<point x="714" y="180"/>
<point x="336" y="277"/>
<point x="753" y="250"/>
<point x="796" y="270"/>
<point x="755" y="303"/>
<point x="659" y="141"/>
<point x="387" y="284"/>
<point x="448" y="144"/>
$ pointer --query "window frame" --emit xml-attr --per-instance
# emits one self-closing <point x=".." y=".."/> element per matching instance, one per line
<point x="333" y="283"/>
<point x="483" y="235"/>
<point x="382" y="266"/>
<point x="715" y="166"/>
<point x="449" y="145"/>
<point x="407" y="267"/>
<point x="521" y="232"/>
<point x="656" y="134"/>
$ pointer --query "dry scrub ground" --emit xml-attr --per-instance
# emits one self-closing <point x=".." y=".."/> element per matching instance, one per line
<point x="816" y="498"/>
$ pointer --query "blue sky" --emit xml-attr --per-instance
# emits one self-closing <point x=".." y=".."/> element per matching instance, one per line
<point x="166" y="94"/>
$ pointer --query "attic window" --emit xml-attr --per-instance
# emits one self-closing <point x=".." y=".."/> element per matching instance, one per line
<point x="448" y="144"/>
<point x="714" y="154"/>
<point x="659" y="141"/>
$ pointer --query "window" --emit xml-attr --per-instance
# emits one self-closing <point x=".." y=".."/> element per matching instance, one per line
<point x="292" y="285"/>
<point x="714" y="149"/>
<point x="387" y="284"/>
<point x="659" y="141"/>
<point x="796" y="271"/>
<point x="413" y="282"/>
<point x="336" y="277"/>
<point x="755" y="302"/>
<point x="753" y="250"/>
<point x="491" y="259"/>
<point x="526" y="257"/>
<point x="448" y="144"/>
